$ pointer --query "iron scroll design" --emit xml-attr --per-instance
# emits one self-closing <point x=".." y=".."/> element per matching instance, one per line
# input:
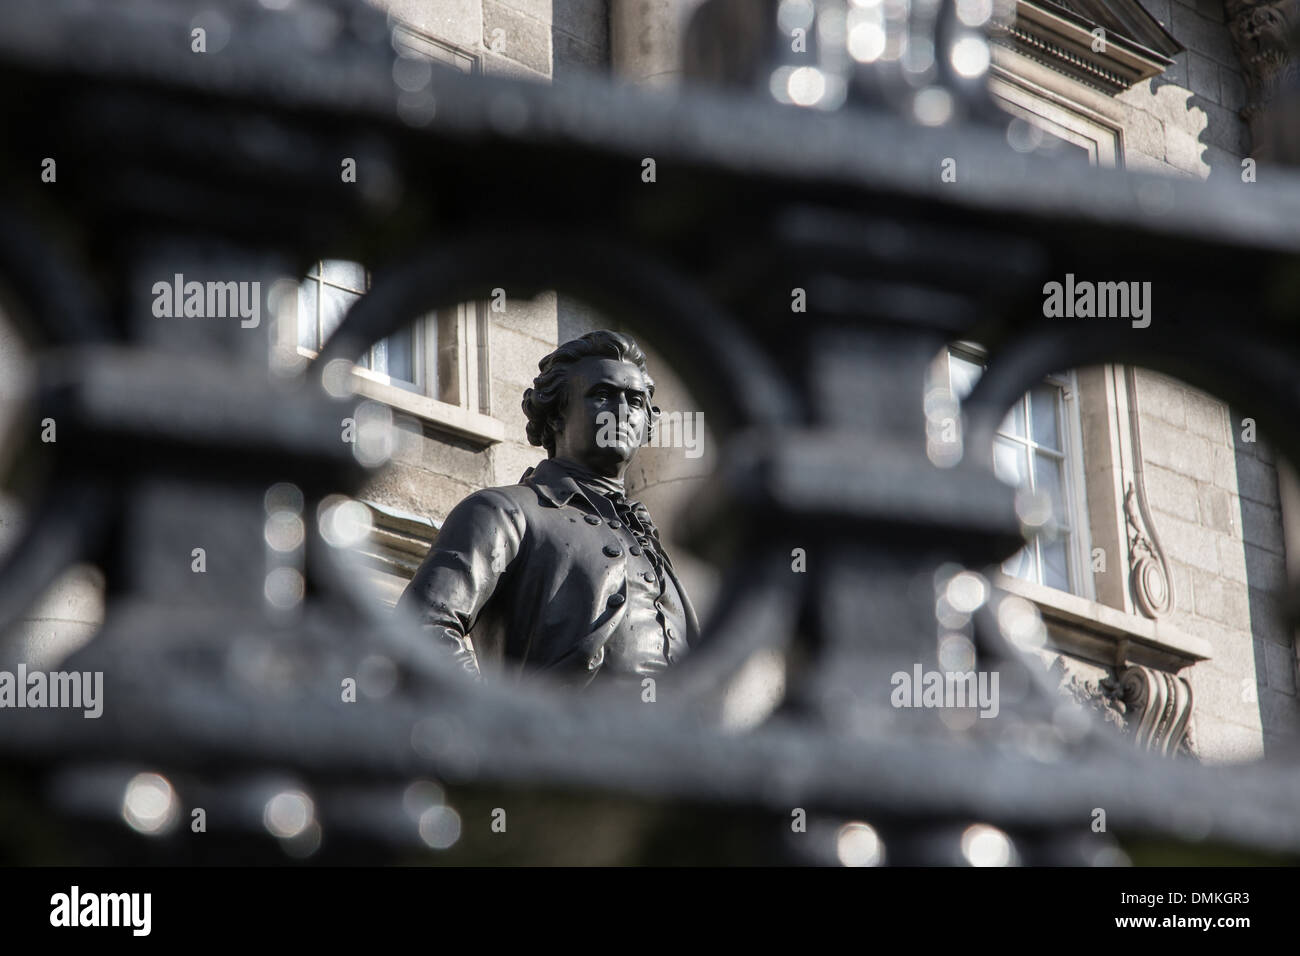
<point x="173" y="432"/>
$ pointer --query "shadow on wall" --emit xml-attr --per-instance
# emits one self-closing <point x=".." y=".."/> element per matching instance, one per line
<point x="574" y="318"/>
<point x="1185" y="125"/>
<point x="1266" y="579"/>
<point x="1187" y="120"/>
<point x="579" y="38"/>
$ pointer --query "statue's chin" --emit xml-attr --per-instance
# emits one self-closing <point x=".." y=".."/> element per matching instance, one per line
<point x="623" y="447"/>
<point x="611" y="458"/>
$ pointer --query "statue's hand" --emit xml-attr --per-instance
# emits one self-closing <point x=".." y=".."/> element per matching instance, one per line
<point x="463" y="652"/>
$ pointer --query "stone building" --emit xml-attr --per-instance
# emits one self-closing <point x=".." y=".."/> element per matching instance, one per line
<point x="1160" y="582"/>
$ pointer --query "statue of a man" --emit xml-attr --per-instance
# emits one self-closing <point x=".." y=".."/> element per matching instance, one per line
<point x="562" y="573"/>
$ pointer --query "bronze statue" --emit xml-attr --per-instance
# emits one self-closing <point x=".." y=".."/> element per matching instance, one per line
<point x="561" y="573"/>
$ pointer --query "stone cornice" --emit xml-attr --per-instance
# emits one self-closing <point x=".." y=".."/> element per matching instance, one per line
<point x="1063" y="38"/>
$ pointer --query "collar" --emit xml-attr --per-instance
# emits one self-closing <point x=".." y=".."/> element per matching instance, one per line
<point x="560" y="484"/>
<point x="587" y="479"/>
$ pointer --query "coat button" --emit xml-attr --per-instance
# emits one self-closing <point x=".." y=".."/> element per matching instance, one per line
<point x="591" y="519"/>
<point x="615" y="525"/>
<point x="612" y="551"/>
<point x="648" y="575"/>
<point x="669" y="632"/>
<point x="634" y="550"/>
<point x="596" y="659"/>
<point x="616" y="600"/>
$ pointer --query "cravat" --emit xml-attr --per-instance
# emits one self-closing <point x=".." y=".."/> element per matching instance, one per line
<point x="637" y="518"/>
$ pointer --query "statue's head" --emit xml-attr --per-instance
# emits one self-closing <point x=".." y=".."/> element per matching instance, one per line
<point x="591" y="402"/>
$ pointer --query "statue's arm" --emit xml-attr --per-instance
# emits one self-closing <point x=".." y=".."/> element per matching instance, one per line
<point x="477" y="543"/>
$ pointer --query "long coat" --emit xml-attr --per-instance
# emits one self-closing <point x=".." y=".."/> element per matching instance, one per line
<point x="533" y="575"/>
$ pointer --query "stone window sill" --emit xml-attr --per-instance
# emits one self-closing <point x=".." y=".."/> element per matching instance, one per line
<point x="481" y="430"/>
<point x="440" y="416"/>
<point x="1105" y="635"/>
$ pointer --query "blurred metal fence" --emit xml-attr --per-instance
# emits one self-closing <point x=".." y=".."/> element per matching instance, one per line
<point x="226" y="684"/>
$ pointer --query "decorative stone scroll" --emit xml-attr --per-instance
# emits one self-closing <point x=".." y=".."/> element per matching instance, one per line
<point x="1149" y="577"/>
<point x="1157" y="708"/>
<point x="1152" y="706"/>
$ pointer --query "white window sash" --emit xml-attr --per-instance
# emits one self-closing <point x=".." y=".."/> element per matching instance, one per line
<point x="1078" y="539"/>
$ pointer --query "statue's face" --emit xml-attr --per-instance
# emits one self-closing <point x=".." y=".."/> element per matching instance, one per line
<point x="607" y="415"/>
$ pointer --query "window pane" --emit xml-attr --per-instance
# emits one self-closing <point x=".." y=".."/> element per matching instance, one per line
<point x="1061" y="149"/>
<point x="334" y="304"/>
<point x="1044" y="405"/>
<point x="1014" y="423"/>
<point x="307" y="315"/>
<point x="1021" y="565"/>
<point x="962" y="375"/>
<point x="350" y="275"/>
<point x="1056" y="568"/>
<point x="1047" y="480"/>
<point x="400" y="362"/>
<point x="1009" y="462"/>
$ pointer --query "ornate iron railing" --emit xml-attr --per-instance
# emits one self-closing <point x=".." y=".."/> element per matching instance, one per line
<point x="226" y="165"/>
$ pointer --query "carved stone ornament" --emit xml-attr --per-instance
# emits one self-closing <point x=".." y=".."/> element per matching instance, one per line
<point x="1262" y="33"/>
<point x="1157" y="708"/>
<point x="1092" y="696"/>
<point x="1153" y="707"/>
<point x="1149" y="577"/>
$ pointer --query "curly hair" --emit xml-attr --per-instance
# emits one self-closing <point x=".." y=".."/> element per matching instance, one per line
<point x="549" y="396"/>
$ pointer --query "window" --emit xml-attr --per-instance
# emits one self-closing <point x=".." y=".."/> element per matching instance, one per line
<point x="1057" y="116"/>
<point x="423" y="358"/>
<point x="1038" y="446"/>
<point x="437" y="368"/>
<point x="330" y="289"/>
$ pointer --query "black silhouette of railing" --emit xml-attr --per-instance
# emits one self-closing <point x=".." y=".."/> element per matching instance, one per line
<point x="170" y="432"/>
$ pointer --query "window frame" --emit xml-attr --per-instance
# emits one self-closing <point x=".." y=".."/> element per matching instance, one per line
<point x="1079" y="550"/>
<point x="469" y="417"/>
<point x="1060" y="105"/>
<point x="418" y="383"/>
